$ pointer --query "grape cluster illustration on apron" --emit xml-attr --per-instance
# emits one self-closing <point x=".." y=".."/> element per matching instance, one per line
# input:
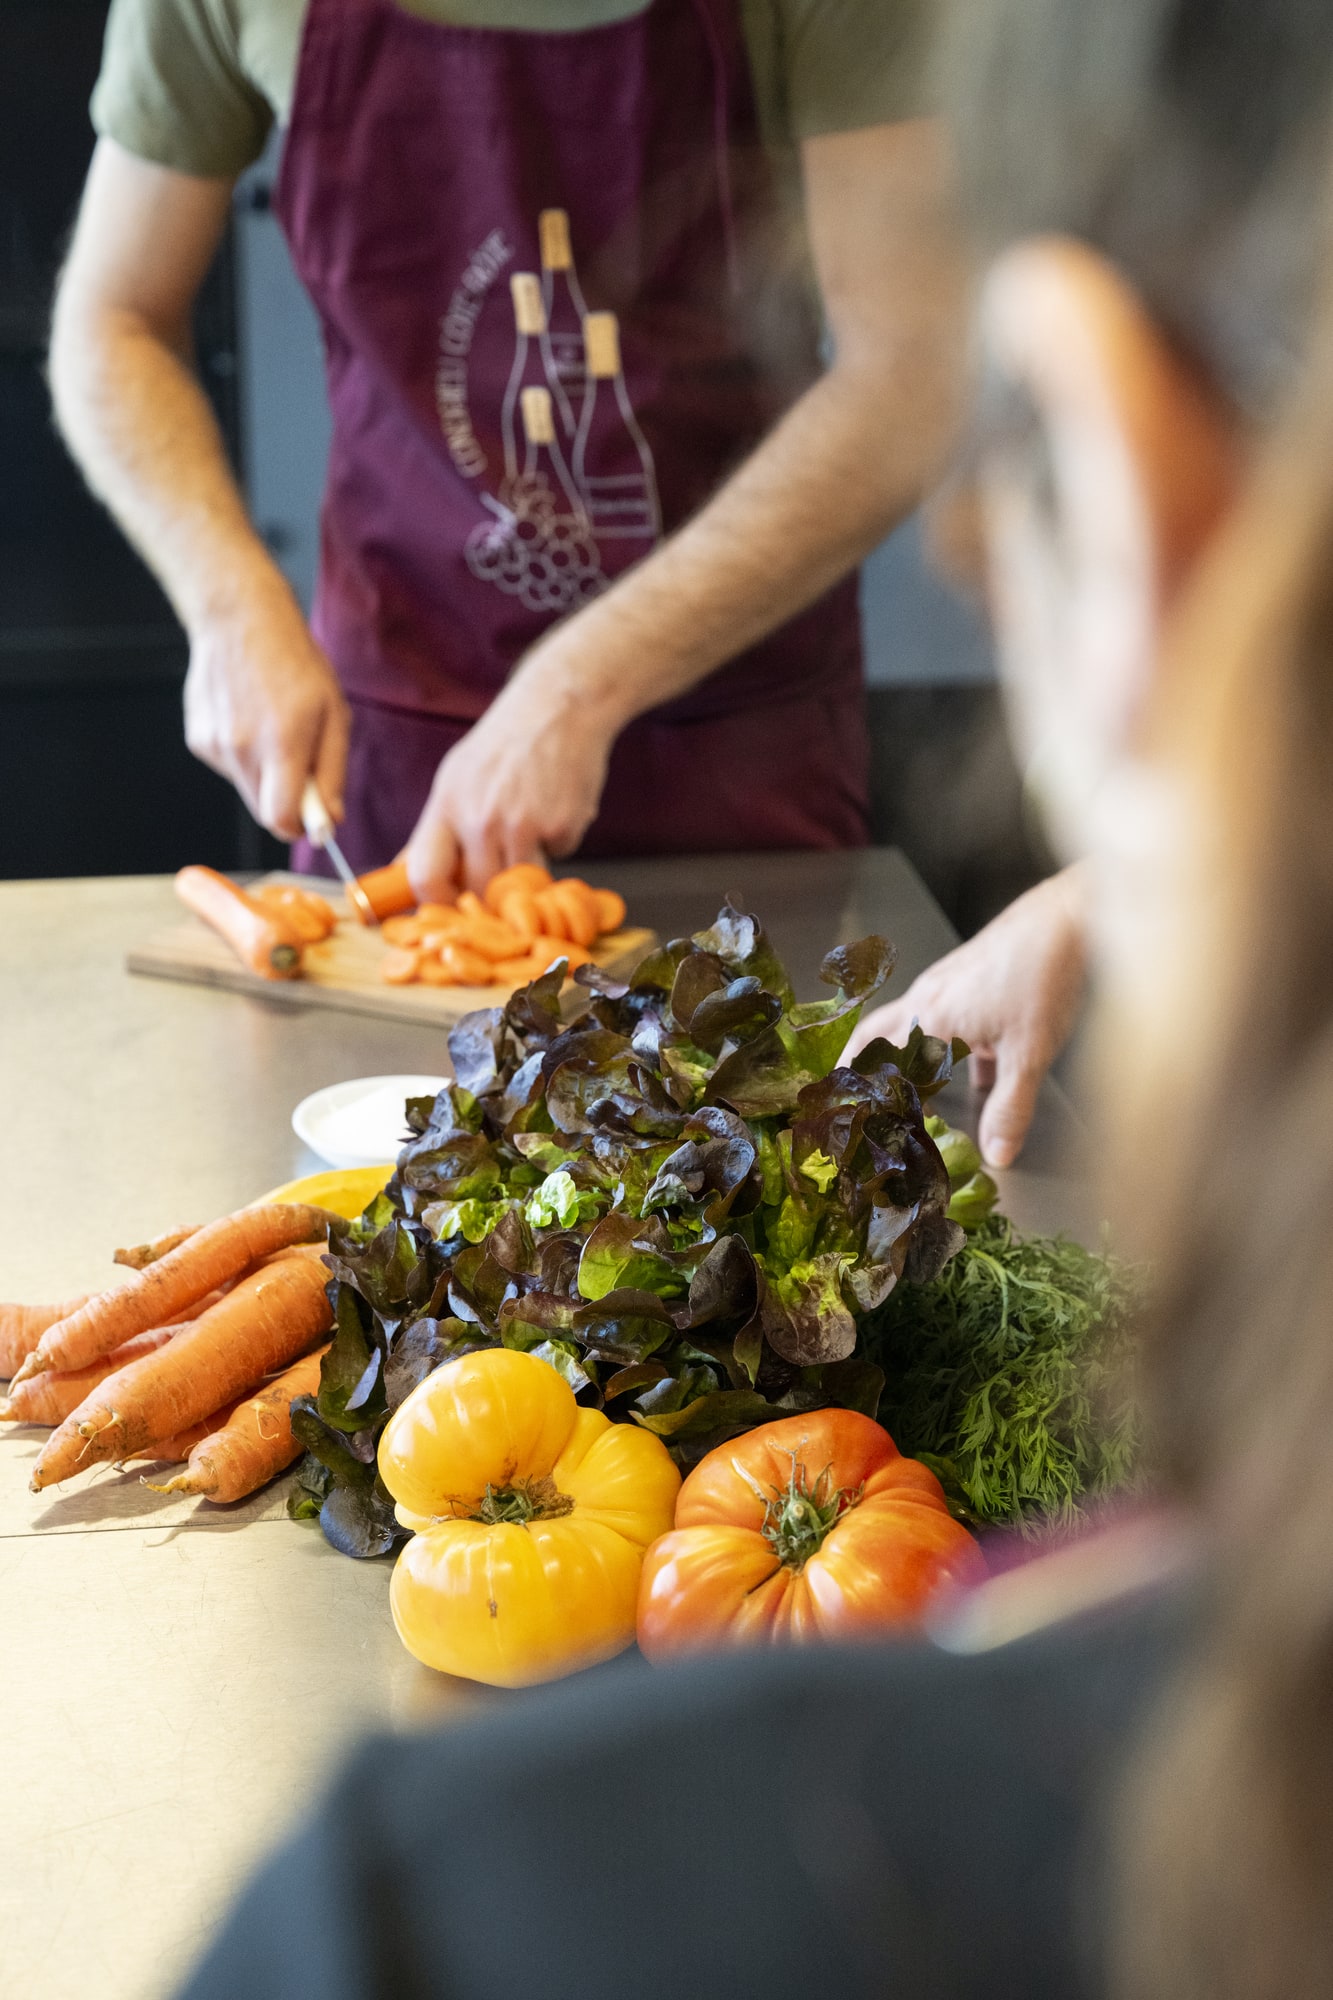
<point x="578" y="471"/>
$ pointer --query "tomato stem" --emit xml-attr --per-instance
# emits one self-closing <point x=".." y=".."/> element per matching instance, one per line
<point x="525" y="1500"/>
<point x="800" y="1516"/>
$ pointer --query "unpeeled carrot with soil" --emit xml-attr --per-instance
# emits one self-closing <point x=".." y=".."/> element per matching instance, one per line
<point x="262" y="940"/>
<point x="264" y="1323"/>
<point x="211" y="1257"/>
<point x="48" y="1397"/>
<point x="21" y="1327"/>
<point x="254" y="1445"/>
<point x="176" y="1450"/>
<point x="140" y="1255"/>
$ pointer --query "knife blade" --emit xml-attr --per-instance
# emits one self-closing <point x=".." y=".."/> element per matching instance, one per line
<point x="318" y="824"/>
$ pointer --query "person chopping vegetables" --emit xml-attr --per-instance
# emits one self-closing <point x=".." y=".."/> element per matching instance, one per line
<point x="594" y="501"/>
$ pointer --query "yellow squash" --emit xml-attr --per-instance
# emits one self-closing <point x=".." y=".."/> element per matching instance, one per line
<point x="345" y="1190"/>
<point x="531" y="1517"/>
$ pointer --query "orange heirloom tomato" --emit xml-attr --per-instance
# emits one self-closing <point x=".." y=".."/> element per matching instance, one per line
<point x="530" y="1519"/>
<point x="812" y="1528"/>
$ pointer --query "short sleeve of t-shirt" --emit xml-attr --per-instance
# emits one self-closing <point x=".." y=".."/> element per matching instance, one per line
<point x="195" y="84"/>
<point x="841" y="65"/>
<point x="173" y="89"/>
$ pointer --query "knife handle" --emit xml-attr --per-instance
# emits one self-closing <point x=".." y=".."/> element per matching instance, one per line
<point x="315" y="815"/>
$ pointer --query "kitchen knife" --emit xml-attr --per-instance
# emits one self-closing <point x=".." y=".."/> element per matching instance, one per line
<point x="319" y="832"/>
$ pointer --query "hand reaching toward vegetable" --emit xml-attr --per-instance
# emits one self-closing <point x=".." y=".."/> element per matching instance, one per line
<point x="263" y="707"/>
<point x="525" y="782"/>
<point x="1012" y="992"/>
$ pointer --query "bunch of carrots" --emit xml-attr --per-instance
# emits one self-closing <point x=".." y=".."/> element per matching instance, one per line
<point x="525" y="922"/>
<point x="194" y="1358"/>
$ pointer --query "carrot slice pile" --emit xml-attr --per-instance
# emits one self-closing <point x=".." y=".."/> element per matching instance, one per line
<point x="515" y="932"/>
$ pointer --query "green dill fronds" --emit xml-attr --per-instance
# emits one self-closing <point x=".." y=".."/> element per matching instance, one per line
<point x="1011" y="1375"/>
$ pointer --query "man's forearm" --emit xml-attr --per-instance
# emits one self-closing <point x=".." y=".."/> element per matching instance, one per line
<point x="137" y="421"/>
<point x="819" y="493"/>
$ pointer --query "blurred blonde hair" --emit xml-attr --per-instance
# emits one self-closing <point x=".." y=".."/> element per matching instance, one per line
<point x="1218" y="1073"/>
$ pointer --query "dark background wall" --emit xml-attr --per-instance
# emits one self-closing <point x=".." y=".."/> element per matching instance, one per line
<point x="94" y="775"/>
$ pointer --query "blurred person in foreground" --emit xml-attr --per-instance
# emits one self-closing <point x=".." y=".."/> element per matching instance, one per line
<point x="936" y="1818"/>
<point x="1014" y="991"/>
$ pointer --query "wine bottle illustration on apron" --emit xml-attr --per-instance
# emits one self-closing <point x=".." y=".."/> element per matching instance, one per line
<point x="527" y="370"/>
<point x="539" y="547"/>
<point x="578" y="470"/>
<point x="562" y="299"/>
<point x="621" y="504"/>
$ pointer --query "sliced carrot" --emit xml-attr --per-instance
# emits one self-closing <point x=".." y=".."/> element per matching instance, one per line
<point x="469" y="903"/>
<point x="268" y="1320"/>
<point x="388" y="890"/>
<point x="610" y="910"/>
<point x="403" y="931"/>
<point x="527" y="875"/>
<point x="519" y="910"/>
<point x="547" y="950"/>
<point x="567" y="913"/>
<point x="308" y="914"/>
<point x="211" y="1257"/>
<point x="261" y="940"/>
<point x="254" y="1444"/>
<point x="586" y="916"/>
<point x="489" y="937"/>
<point x="467" y="967"/>
<point x="441" y="924"/>
<point x="399" y="967"/>
<point x="518" y="971"/>
<point x="437" y="913"/>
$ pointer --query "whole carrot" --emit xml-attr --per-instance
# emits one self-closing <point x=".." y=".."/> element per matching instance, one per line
<point x="259" y="938"/>
<point x="388" y="890"/>
<point x="254" y="1445"/>
<point x="21" y="1327"/>
<point x="264" y="1322"/>
<point x="211" y="1257"/>
<point x="176" y="1450"/>
<point x="141" y="1254"/>
<point x="48" y="1397"/>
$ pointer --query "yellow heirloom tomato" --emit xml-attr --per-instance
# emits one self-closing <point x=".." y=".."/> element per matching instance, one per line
<point x="531" y="1517"/>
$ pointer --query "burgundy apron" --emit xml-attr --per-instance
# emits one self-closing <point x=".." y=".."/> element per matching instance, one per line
<point x="549" y="275"/>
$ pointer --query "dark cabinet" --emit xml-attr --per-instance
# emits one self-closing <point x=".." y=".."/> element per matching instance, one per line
<point x="94" y="774"/>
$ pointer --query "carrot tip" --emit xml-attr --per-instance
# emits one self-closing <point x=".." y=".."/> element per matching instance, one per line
<point x="7" y="1412"/>
<point x="30" y="1365"/>
<point x="181" y="1484"/>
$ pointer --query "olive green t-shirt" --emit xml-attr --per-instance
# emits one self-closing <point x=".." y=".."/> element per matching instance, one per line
<point x="197" y="84"/>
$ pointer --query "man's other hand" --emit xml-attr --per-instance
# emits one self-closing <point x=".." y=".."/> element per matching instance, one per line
<point x="1012" y="992"/>
<point x="524" y="783"/>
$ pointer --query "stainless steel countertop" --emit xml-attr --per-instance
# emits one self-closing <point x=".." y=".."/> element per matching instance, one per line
<point x="176" y="1675"/>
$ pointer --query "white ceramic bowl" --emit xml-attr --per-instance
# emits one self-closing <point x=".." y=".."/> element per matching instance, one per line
<point x="360" y="1123"/>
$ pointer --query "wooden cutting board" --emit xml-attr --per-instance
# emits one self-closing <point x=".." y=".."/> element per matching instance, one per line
<point x="342" y="972"/>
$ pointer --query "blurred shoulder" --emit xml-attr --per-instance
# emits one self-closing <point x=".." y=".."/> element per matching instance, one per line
<point x="197" y="84"/>
<point x="841" y="65"/>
